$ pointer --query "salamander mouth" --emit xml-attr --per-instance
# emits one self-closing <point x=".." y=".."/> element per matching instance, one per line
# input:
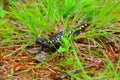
<point x="39" y="41"/>
<point x="42" y="42"/>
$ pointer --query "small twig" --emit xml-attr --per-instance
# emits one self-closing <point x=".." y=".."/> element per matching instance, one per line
<point x="96" y="62"/>
<point x="76" y="71"/>
<point x="13" y="52"/>
<point x="3" y="68"/>
<point x="4" y="47"/>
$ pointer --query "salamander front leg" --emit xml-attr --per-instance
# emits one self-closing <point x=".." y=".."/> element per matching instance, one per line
<point x="40" y="49"/>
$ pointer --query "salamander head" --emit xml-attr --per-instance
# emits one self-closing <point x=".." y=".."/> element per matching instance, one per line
<point x="43" y="42"/>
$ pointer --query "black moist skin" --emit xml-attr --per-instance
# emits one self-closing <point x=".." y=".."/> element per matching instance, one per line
<point x="54" y="41"/>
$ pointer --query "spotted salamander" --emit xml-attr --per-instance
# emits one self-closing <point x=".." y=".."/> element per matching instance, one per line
<point x="54" y="41"/>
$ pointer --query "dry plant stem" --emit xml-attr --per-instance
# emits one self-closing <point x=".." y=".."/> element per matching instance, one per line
<point x="43" y="62"/>
<point x="4" y="47"/>
<point x="13" y="52"/>
<point x="96" y="62"/>
<point x="86" y="45"/>
<point x="76" y="71"/>
<point x="3" y="68"/>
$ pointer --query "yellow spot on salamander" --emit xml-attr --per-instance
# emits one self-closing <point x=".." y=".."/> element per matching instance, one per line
<point x="58" y="39"/>
<point x="82" y="26"/>
<point x="52" y="40"/>
<point x="61" y="36"/>
<point x="85" y="24"/>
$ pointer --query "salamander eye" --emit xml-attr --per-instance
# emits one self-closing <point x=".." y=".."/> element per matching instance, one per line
<point x="43" y="41"/>
<point x="58" y="39"/>
<point x="38" y="40"/>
